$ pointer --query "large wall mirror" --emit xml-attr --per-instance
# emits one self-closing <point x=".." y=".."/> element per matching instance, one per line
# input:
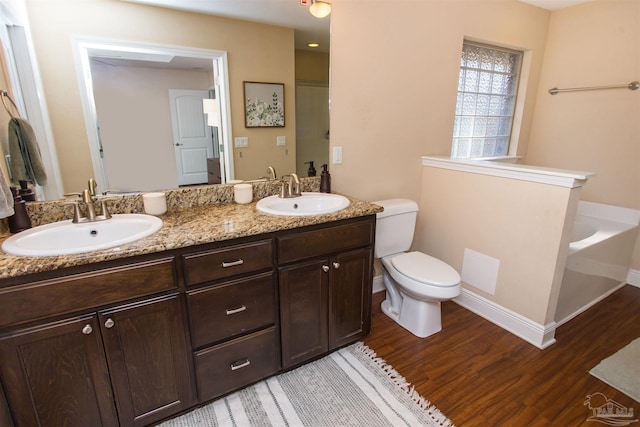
<point x="124" y="87"/>
<point x="83" y="60"/>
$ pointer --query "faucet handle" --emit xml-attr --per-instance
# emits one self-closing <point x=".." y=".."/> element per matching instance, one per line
<point x="77" y="216"/>
<point x="104" y="211"/>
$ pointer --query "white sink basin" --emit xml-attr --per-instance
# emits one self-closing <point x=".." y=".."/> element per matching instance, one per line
<point x="306" y="205"/>
<point x="65" y="237"/>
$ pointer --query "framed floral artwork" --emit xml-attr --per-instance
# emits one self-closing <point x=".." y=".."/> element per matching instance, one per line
<point x="263" y="105"/>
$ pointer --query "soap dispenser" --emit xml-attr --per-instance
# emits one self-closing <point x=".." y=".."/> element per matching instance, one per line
<point x="25" y="192"/>
<point x="312" y="170"/>
<point x="325" y="180"/>
<point x="19" y="221"/>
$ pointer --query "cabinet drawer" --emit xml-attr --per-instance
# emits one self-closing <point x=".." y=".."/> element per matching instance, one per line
<point x="225" y="262"/>
<point x="237" y="363"/>
<point x="226" y="310"/>
<point x="324" y="241"/>
<point x="37" y="300"/>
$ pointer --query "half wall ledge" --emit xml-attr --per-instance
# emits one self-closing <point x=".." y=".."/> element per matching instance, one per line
<point x="544" y="175"/>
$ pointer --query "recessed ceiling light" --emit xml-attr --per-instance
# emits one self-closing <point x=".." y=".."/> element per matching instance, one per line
<point x="313" y="45"/>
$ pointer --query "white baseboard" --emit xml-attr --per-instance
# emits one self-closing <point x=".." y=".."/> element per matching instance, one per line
<point x="378" y="284"/>
<point x="542" y="336"/>
<point x="633" y="278"/>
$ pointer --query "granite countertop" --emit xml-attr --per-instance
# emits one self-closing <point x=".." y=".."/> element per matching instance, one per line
<point x="183" y="228"/>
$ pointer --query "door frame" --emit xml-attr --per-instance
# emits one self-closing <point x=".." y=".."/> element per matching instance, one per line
<point x="82" y="46"/>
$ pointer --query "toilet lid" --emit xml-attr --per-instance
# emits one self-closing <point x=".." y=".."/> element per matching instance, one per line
<point x="426" y="269"/>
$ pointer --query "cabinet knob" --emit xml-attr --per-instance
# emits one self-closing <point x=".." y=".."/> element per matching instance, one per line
<point x="109" y="323"/>
<point x="87" y="329"/>
<point x="325" y="268"/>
<point x="336" y="265"/>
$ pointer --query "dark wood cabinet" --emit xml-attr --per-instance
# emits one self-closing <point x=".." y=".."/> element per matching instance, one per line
<point x="325" y="303"/>
<point x="350" y="297"/>
<point x="304" y="307"/>
<point x="234" y="289"/>
<point x="236" y="363"/>
<point x="56" y="374"/>
<point x="71" y="372"/>
<point x="148" y="359"/>
<point x="135" y="341"/>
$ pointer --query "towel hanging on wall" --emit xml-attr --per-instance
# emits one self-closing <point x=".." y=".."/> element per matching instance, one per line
<point x="26" y="161"/>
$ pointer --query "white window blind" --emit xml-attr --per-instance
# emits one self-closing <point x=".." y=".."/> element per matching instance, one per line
<point x="487" y="89"/>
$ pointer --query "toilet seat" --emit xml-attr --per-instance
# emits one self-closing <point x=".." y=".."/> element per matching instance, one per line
<point x="426" y="269"/>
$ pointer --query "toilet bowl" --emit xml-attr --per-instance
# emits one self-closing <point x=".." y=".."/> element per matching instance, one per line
<point x="416" y="283"/>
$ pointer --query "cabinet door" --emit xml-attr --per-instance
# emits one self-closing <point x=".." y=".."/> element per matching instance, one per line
<point x="303" y="311"/>
<point x="148" y="360"/>
<point x="55" y="375"/>
<point x="350" y="297"/>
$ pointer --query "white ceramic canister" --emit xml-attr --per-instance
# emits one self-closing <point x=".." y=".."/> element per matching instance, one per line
<point x="154" y="203"/>
<point x="243" y="193"/>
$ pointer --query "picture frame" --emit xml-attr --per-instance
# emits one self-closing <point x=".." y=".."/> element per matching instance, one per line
<point x="263" y="104"/>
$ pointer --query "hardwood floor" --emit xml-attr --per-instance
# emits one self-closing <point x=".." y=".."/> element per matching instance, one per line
<point x="478" y="374"/>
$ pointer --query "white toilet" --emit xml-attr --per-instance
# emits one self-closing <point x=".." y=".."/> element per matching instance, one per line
<point x="416" y="283"/>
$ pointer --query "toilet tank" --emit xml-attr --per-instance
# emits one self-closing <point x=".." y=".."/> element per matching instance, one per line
<point x="395" y="226"/>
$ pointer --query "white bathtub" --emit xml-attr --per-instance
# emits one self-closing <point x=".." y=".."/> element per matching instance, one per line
<point x="589" y="231"/>
<point x="602" y="243"/>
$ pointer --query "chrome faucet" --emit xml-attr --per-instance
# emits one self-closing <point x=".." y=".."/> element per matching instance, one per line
<point x="290" y="189"/>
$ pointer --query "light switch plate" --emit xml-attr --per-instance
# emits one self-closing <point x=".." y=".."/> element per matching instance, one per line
<point x="337" y="155"/>
<point x="241" y="141"/>
<point x="281" y="141"/>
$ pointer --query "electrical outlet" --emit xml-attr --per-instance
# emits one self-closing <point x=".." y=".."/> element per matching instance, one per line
<point x="281" y="141"/>
<point x="241" y="141"/>
<point x="337" y="155"/>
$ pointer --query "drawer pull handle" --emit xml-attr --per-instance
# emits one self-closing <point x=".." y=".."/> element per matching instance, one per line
<point x="87" y="329"/>
<point x="235" y="310"/>
<point x="325" y="268"/>
<point x="240" y="364"/>
<point x="336" y="265"/>
<point x="109" y="323"/>
<point x="232" y="263"/>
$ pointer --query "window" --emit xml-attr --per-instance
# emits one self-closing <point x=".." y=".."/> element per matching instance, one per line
<point x="487" y="88"/>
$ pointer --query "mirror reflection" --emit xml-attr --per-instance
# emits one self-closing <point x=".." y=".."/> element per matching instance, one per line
<point x="146" y="102"/>
<point x="127" y="113"/>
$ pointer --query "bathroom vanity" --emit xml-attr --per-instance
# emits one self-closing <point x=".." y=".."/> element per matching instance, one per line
<point x="220" y="298"/>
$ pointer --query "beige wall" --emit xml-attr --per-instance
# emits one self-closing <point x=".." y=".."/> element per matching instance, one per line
<point x="256" y="53"/>
<point x="594" y="44"/>
<point x="394" y="76"/>
<point x="521" y="225"/>
<point x="312" y="66"/>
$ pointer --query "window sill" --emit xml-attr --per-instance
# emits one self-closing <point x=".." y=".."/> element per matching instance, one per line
<point x="551" y="176"/>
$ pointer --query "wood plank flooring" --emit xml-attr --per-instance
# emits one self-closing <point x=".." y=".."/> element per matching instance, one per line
<point x="478" y="374"/>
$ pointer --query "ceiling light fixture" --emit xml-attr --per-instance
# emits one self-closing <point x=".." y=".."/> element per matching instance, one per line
<point x="313" y="45"/>
<point x="319" y="9"/>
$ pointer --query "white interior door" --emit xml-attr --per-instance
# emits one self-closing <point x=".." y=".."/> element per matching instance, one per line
<point x="192" y="137"/>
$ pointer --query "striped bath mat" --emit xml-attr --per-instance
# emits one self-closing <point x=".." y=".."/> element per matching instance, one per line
<point x="350" y="387"/>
